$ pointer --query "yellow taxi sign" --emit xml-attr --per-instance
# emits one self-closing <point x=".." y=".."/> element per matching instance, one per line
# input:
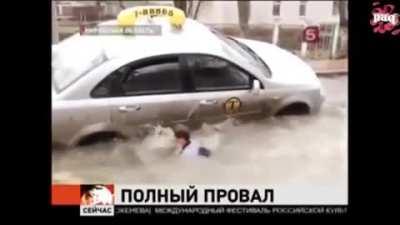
<point x="128" y="17"/>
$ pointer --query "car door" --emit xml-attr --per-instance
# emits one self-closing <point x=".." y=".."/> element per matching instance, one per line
<point x="146" y="92"/>
<point x="220" y="89"/>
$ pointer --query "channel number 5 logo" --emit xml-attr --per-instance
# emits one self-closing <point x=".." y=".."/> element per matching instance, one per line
<point x="311" y="34"/>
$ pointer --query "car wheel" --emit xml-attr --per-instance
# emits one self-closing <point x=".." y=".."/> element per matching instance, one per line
<point x="102" y="137"/>
<point x="294" y="109"/>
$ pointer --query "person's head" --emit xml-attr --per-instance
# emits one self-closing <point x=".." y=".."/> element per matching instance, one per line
<point x="182" y="138"/>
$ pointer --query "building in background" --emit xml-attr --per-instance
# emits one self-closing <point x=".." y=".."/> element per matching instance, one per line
<point x="54" y="25"/>
<point x="278" y="22"/>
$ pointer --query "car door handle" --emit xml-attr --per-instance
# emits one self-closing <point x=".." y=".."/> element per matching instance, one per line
<point x="208" y="102"/>
<point x="129" y="108"/>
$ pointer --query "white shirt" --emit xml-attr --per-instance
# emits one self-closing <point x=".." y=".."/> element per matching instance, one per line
<point x="191" y="150"/>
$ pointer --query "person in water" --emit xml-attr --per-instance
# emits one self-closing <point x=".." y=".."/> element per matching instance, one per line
<point x="189" y="148"/>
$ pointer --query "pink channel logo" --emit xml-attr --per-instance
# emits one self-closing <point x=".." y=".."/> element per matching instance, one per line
<point x="384" y="18"/>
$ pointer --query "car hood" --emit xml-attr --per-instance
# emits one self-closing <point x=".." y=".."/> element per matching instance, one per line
<point x="286" y="67"/>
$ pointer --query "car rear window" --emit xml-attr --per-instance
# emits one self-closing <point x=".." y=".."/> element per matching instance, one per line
<point x="73" y="58"/>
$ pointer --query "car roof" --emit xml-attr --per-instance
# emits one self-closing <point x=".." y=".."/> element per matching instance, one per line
<point x="193" y="37"/>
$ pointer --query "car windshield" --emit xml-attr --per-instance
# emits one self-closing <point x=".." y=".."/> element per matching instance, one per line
<point x="73" y="58"/>
<point x="244" y="51"/>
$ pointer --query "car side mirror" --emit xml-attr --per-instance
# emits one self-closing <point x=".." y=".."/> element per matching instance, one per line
<point x="256" y="87"/>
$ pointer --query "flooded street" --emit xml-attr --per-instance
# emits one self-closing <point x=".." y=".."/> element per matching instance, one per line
<point x="302" y="152"/>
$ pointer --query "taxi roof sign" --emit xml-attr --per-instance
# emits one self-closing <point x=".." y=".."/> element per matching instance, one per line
<point x="128" y="17"/>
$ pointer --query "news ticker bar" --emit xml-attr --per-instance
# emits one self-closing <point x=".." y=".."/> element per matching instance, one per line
<point x="116" y="199"/>
<point x="229" y="209"/>
<point x="120" y="210"/>
<point x="121" y="194"/>
<point x="161" y="194"/>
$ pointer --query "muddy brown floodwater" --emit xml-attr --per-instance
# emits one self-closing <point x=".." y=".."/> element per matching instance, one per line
<point x="307" y="153"/>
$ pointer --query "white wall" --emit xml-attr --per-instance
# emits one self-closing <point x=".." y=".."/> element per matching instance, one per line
<point x="226" y="12"/>
<point x="214" y="12"/>
<point x="261" y="12"/>
<point x="321" y="12"/>
<point x="54" y="27"/>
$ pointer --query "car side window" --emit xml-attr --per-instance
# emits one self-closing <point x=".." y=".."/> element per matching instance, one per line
<point x="157" y="76"/>
<point x="211" y="73"/>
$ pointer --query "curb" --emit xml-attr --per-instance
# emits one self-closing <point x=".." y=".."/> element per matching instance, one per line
<point x="331" y="72"/>
<point x="329" y="67"/>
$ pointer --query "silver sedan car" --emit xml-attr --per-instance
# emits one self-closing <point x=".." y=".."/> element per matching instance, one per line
<point x="108" y="85"/>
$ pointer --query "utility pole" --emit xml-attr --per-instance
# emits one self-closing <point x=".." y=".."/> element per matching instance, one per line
<point x="275" y="34"/>
<point x="304" y="44"/>
<point x="244" y="16"/>
<point x="54" y="25"/>
<point x="335" y="41"/>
